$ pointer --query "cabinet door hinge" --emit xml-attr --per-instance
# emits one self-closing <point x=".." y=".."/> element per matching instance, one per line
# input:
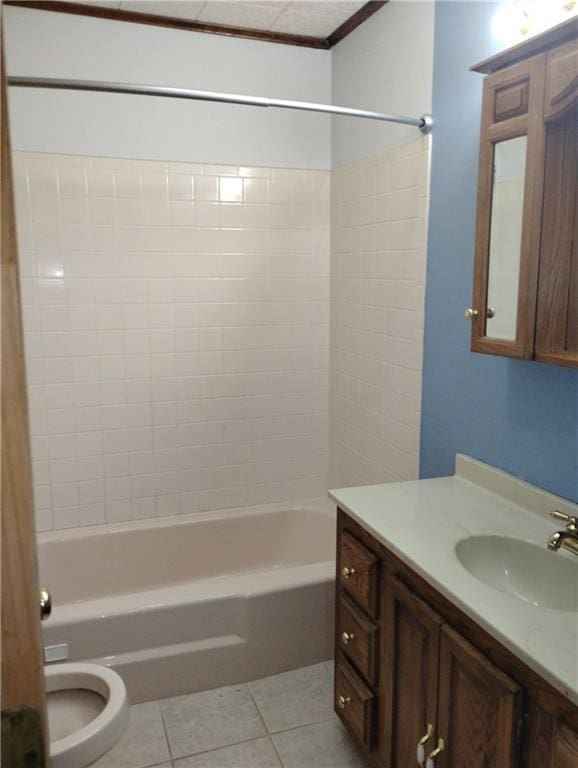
<point x="22" y="739"/>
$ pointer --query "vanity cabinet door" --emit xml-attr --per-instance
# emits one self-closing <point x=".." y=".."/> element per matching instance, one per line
<point x="479" y="708"/>
<point x="410" y="653"/>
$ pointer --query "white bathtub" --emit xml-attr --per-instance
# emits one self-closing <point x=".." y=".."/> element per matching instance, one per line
<point x="196" y="602"/>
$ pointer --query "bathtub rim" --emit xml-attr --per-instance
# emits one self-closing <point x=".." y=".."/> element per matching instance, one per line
<point x="225" y="587"/>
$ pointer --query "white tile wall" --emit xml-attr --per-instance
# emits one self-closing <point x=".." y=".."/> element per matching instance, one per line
<point x="378" y="253"/>
<point x="176" y="332"/>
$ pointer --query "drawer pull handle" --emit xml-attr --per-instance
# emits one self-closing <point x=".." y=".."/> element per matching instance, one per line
<point x="421" y="745"/>
<point x="431" y="760"/>
<point x="347" y="572"/>
<point x="347" y="637"/>
<point x="343" y="701"/>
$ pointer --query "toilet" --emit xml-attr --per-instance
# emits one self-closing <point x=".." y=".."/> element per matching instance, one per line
<point x="87" y="712"/>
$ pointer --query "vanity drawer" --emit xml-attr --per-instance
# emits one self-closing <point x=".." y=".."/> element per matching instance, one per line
<point x="357" y="638"/>
<point x="358" y="572"/>
<point x="354" y="702"/>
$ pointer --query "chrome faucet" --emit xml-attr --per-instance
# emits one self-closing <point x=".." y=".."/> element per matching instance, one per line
<point x="567" y="539"/>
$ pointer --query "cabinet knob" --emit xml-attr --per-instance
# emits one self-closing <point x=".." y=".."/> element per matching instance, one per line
<point x="45" y="604"/>
<point x="347" y="572"/>
<point x="471" y="314"/>
<point x="431" y="759"/>
<point x="343" y="701"/>
<point x="421" y="745"/>
<point x="347" y="637"/>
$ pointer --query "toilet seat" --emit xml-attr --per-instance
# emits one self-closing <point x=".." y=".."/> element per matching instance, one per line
<point x="87" y="744"/>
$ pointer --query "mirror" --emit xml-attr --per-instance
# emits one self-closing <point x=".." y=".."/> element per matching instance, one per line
<point x="505" y="237"/>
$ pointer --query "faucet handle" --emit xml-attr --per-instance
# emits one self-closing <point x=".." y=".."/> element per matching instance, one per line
<point x="571" y="522"/>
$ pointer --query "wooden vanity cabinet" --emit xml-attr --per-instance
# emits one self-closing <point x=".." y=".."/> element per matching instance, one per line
<point x="410" y="679"/>
<point x="411" y="668"/>
<point x="525" y="296"/>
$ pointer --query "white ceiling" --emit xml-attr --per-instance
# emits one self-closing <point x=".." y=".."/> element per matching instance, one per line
<point x="316" y="18"/>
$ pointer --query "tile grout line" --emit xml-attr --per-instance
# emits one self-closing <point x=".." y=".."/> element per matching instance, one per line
<point x="171" y="759"/>
<point x="281" y="763"/>
<point x="223" y="746"/>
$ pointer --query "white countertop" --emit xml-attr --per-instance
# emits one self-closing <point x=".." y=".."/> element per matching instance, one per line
<point x="421" y="522"/>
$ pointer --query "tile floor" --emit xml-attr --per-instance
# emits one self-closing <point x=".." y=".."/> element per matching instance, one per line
<point x="285" y="721"/>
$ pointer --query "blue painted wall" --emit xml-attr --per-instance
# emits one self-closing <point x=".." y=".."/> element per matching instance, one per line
<point x="518" y="415"/>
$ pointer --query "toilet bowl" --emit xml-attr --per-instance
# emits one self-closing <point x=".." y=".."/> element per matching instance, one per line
<point x="87" y="712"/>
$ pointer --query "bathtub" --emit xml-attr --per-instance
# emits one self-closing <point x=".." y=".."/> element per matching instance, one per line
<point x="185" y="604"/>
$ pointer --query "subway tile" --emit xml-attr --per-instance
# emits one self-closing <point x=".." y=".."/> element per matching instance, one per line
<point x="88" y="443"/>
<point x="66" y="517"/>
<point x="100" y="182"/>
<point x="101" y="210"/>
<point x="207" y="189"/>
<point x="118" y="511"/>
<point x="182" y="212"/>
<point x="91" y="492"/>
<point x="128" y="184"/>
<point x="157" y="212"/>
<point x="45" y="236"/>
<point x="154" y="186"/>
<point x="44" y="519"/>
<point x="117" y="488"/>
<point x="149" y="165"/>
<point x="255" y="172"/>
<point x="195" y="169"/>
<point x="181" y="186"/>
<point x="64" y="495"/>
<point x="135" y="316"/>
<point x="102" y="238"/>
<point x="377" y="308"/>
<point x="220" y="170"/>
<point x="72" y="181"/>
<point x="44" y="208"/>
<point x="108" y="163"/>
<point x="88" y="419"/>
<point x="92" y="514"/>
<point x="230" y="190"/>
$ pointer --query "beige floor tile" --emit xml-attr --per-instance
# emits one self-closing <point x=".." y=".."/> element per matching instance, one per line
<point x="203" y="721"/>
<point x="295" y="698"/>
<point x="251" y="754"/>
<point x="143" y="743"/>
<point x="323" y="745"/>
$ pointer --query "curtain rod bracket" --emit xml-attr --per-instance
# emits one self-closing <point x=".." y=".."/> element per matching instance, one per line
<point x="426" y="124"/>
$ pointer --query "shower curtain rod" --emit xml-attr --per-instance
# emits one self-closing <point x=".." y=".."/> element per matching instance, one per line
<point x="424" y="123"/>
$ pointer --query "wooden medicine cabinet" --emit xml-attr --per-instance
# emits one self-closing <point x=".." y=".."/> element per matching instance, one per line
<point x="525" y="298"/>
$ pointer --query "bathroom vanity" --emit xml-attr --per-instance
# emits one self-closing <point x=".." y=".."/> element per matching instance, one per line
<point x="456" y="630"/>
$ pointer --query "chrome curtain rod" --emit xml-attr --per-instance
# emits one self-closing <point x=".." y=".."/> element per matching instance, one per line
<point x="424" y="123"/>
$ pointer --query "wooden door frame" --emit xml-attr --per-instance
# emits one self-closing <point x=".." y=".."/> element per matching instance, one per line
<point x="23" y="695"/>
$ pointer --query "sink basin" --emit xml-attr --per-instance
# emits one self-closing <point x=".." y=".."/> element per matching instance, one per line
<point x="523" y="570"/>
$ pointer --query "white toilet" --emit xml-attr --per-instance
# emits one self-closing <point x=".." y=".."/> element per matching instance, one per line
<point x="87" y="712"/>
